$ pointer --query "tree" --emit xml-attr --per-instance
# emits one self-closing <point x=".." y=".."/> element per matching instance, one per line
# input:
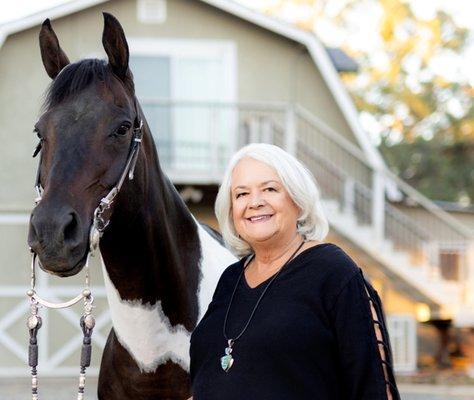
<point x="411" y="93"/>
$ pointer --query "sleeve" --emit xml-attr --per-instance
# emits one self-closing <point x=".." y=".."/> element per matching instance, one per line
<point x="364" y="351"/>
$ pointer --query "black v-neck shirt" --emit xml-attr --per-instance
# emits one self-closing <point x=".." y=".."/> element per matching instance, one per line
<point x="312" y="336"/>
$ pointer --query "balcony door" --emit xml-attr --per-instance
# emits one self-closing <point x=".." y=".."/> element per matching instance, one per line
<point x="181" y="85"/>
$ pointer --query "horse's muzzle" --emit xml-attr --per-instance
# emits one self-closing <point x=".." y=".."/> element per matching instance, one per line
<point x="58" y="237"/>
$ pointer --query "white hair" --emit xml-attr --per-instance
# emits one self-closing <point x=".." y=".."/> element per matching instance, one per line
<point x="296" y="179"/>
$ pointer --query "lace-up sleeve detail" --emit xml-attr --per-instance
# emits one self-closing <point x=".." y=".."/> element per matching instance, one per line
<point x="383" y="340"/>
<point x="363" y="343"/>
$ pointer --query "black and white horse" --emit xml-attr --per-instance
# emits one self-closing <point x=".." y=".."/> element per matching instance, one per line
<point x="160" y="265"/>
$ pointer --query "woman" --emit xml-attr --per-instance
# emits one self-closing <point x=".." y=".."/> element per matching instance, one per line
<point x="294" y="318"/>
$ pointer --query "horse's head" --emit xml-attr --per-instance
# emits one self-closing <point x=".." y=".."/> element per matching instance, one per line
<point x="85" y="137"/>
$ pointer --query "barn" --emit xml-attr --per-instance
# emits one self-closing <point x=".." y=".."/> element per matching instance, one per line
<point x="212" y="76"/>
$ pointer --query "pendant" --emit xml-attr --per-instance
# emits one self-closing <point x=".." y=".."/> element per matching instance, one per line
<point x="227" y="361"/>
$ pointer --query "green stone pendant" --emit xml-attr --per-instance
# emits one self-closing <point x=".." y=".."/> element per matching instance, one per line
<point x="227" y="361"/>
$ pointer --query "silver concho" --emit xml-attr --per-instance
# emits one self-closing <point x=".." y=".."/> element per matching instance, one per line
<point x="89" y="321"/>
<point x="32" y="322"/>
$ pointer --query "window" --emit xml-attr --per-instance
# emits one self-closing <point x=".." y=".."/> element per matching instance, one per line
<point x="181" y="85"/>
<point x="450" y="262"/>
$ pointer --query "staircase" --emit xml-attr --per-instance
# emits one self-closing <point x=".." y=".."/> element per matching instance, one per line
<point x="362" y="204"/>
<point x="444" y="293"/>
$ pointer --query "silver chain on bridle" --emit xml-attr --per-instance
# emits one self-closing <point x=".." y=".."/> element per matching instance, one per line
<point x="87" y="320"/>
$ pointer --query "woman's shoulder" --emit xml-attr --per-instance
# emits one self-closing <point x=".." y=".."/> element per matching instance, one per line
<point x="331" y="264"/>
<point x="233" y="269"/>
<point x="331" y="257"/>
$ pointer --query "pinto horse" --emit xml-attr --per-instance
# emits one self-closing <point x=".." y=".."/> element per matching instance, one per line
<point x="160" y="265"/>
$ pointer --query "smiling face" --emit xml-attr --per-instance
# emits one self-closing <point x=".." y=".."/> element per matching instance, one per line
<point x="262" y="210"/>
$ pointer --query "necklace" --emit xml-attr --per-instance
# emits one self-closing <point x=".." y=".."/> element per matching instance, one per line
<point x="227" y="360"/>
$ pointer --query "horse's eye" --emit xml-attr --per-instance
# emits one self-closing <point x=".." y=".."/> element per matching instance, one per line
<point x="123" y="129"/>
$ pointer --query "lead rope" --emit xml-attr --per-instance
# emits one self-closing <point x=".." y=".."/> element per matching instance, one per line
<point x="87" y="320"/>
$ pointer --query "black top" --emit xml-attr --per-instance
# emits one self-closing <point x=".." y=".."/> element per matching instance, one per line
<point x="312" y="336"/>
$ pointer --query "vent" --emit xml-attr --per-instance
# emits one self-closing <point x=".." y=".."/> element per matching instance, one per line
<point x="151" y="11"/>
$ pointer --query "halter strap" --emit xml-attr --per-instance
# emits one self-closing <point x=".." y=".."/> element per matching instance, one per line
<point x="101" y="222"/>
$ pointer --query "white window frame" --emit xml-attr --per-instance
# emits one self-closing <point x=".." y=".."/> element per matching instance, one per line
<point x="191" y="48"/>
<point x="179" y="49"/>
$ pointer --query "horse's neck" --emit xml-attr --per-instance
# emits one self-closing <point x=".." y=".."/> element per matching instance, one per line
<point x="160" y="270"/>
<point x="152" y="250"/>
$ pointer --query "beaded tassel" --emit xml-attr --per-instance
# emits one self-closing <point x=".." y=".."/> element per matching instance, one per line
<point x="34" y="324"/>
<point x="87" y="325"/>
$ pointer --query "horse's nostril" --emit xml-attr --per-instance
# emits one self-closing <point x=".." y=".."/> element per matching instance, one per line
<point x="71" y="230"/>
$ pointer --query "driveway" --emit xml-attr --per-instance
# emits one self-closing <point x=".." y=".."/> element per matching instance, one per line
<point x="66" y="389"/>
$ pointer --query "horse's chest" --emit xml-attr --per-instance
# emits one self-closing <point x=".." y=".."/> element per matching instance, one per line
<point x="146" y="333"/>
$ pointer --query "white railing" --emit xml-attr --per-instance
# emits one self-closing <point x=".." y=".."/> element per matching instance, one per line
<point x="346" y="175"/>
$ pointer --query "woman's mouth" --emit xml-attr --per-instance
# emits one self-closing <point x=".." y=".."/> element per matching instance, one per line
<point x="259" y="218"/>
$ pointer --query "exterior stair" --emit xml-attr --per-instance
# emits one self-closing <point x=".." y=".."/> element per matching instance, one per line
<point x="444" y="293"/>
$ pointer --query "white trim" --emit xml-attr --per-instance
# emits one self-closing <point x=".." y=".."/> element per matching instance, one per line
<point x="314" y="46"/>
<point x="35" y="19"/>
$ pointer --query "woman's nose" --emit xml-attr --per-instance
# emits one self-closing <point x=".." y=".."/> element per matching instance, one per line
<point x="256" y="201"/>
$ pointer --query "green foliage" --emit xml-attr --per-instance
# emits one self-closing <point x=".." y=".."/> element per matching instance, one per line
<point x="426" y="121"/>
<point x="425" y="115"/>
<point x="439" y="169"/>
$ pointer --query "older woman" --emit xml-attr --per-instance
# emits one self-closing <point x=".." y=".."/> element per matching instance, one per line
<point x="294" y="318"/>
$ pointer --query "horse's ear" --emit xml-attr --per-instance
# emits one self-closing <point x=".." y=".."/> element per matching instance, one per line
<point x="54" y="58"/>
<point x="115" y="45"/>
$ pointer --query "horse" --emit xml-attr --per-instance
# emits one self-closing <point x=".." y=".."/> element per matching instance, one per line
<point x="160" y="265"/>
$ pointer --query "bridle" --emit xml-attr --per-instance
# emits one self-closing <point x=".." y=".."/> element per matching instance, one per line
<point x="99" y="223"/>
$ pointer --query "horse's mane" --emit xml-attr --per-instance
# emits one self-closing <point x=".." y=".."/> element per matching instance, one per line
<point x="74" y="78"/>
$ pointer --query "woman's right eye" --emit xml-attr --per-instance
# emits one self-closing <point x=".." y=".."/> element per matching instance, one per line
<point x="240" y="194"/>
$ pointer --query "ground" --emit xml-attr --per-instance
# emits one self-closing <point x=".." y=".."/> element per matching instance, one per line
<point x="66" y="389"/>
